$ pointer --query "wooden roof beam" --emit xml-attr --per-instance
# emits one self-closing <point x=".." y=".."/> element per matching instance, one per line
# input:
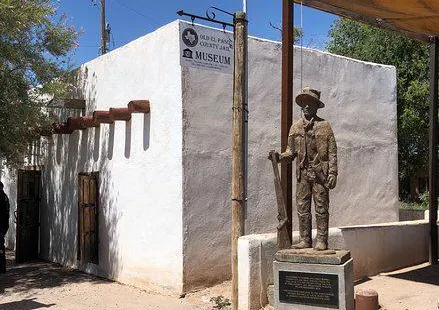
<point x="120" y="114"/>
<point x="88" y="122"/>
<point x="103" y="117"/>
<point x="377" y="22"/>
<point x="139" y="106"/>
<point x="61" y="128"/>
<point x="75" y="123"/>
<point x="99" y="117"/>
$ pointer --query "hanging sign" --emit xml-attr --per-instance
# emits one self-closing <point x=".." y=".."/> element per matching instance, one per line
<point x="206" y="48"/>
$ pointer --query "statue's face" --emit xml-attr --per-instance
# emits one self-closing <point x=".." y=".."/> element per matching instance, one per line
<point x="309" y="109"/>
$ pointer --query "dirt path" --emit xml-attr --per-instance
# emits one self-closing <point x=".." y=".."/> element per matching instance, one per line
<point x="41" y="285"/>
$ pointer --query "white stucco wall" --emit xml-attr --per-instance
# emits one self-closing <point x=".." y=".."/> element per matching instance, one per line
<point x="165" y="176"/>
<point x="139" y="164"/>
<point x="361" y="106"/>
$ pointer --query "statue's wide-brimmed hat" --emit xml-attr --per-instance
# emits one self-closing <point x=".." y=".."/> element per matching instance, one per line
<point x="309" y="94"/>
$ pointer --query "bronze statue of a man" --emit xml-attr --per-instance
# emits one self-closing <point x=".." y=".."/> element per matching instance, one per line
<point x="312" y="142"/>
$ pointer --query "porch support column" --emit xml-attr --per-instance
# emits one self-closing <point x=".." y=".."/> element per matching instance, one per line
<point x="287" y="102"/>
<point x="433" y="149"/>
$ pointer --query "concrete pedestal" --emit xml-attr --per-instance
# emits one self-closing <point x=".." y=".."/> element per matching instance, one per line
<point x="307" y="279"/>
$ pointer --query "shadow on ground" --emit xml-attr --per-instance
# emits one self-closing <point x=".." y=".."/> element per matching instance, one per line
<point x="427" y="275"/>
<point x="25" y="304"/>
<point x="38" y="275"/>
<point x="362" y="280"/>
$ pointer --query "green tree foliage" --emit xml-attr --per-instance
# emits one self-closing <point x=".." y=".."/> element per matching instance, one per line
<point x="34" y="45"/>
<point x="360" y="41"/>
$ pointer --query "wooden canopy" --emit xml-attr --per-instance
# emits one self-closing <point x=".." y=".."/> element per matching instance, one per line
<point x="418" y="19"/>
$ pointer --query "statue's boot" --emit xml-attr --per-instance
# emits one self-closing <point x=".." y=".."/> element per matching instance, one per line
<point x="322" y="221"/>
<point x="305" y="240"/>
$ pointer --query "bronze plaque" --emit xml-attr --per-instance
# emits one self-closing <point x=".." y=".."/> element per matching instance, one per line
<point x="311" y="289"/>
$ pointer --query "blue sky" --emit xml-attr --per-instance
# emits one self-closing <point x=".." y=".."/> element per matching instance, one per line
<point x="130" y="19"/>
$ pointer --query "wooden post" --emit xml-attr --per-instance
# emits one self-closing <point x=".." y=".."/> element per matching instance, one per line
<point x="239" y="101"/>
<point x="287" y="103"/>
<point x="433" y="150"/>
<point x="103" y="30"/>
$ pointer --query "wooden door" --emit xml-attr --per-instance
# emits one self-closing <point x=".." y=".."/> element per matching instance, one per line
<point x="28" y="215"/>
<point x="88" y="218"/>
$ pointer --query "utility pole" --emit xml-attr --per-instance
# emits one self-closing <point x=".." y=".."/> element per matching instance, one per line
<point x="238" y="158"/>
<point x="103" y="29"/>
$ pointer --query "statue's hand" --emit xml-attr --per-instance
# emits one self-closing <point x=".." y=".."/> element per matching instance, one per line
<point x="331" y="181"/>
<point x="277" y="156"/>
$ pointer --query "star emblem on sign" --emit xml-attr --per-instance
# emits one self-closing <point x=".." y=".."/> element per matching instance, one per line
<point x="190" y="37"/>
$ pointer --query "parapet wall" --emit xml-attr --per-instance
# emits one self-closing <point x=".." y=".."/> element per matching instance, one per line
<point x="374" y="248"/>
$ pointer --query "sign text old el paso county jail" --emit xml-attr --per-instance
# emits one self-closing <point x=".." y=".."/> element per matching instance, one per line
<point x="206" y="48"/>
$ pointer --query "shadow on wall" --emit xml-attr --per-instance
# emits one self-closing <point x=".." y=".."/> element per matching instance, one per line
<point x="127" y="152"/>
<point x="110" y="142"/>
<point x="128" y="134"/>
<point x="109" y="255"/>
<point x="58" y="210"/>
<point x="89" y="150"/>
<point x="146" y="130"/>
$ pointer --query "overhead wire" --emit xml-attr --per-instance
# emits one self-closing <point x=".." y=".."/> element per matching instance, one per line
<point x="135" y="11"/>
<point x="129" y="8"/>
<point x="301" y="44"/>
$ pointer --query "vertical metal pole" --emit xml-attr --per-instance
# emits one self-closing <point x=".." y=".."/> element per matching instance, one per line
<point x="287" y="101"/>
<point x="433" y="150"/>
<point x="239" y="102"/>
<point x="103" y="34"/>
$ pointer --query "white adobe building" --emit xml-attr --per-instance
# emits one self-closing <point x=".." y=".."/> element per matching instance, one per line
<point x="163" y="178"/>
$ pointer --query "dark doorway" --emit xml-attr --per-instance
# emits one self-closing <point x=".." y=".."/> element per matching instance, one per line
<point x="88" y="218"/>
<point x="28" y="215"/>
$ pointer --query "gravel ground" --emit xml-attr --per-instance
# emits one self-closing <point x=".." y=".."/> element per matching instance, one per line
<point x="413" y="288"/>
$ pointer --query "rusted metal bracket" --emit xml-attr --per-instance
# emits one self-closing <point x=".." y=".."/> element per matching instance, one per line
<point x="210" y="16"/>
